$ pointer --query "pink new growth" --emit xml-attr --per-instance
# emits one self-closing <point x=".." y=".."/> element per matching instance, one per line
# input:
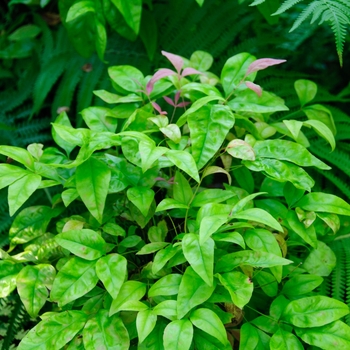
<point x="176" y="100"/>
<point x="157" y="108"/>
<point x="256" y="88"/>
<point x="178" y="63"/>
<point x="261" y="64"/>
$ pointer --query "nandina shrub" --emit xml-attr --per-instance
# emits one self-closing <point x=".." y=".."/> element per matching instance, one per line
<point x="185" y="219"/>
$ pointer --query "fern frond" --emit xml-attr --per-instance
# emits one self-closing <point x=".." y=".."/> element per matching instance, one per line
<point x="286" y="6"/>
<point x="346" y="245"/>
<point x="341" y="184"/>
<point x="305" y="14"/>
<point x="338" y="275"/>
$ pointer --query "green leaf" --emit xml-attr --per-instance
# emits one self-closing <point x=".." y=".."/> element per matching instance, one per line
<point x="8" y="274"/>
<point x="258" y="215"/>
<point x="32" y="284"/>
<point x="18" y="154"/>
<point x="149" y="154"/>
<point x="30" y="223"/>
<point x="149" y="33"/>
<point x="29" y="31"/>
<point x="76" y="278"/>
<point x="129" y="291"/>
<point x="131" y="11"/>
<point x="239" y="286"/>
<point x="178" y="335"/>
<point x="201" y="60"/>
<point x="211" y="196"/>
<point x="321" y="261"/>
<point x="54" y="332"/>
<point x="234" y="71"/>
<point x="141" y="197"/>
<point x="322" y="114"/>
<point x="112" y="271"/>
<point x="145" y="323"/>
<point x="294" y="126"/>
<point x="322" y="130"/>
<point x="287" y="150"/>
<point x="92" y="181"/>
<point x="307" y="234"/>
<point x="242" y="203"/>
<point x="162" y="257"/>
<point x="193" y="291"/>
<point x="99" y="119"/>
<point x="209" y="127"/>
<point x="249" y="101"/>
<point x="215" y="170"/>
<point x="283" y="340"/>
<point x="80" y="8"/>
<point x="301" y="284"/>
<point x="10" y="173"/>
<point x="152" y="247"/>
<point x="167" y="285"/>
<point x="169" y="203"/>
<point x="166" y="308"/>
<point x="185" y="162"/>
<point x="105" y="332"/>
<point x="240" y="149"/>
<point x="210" y="225"/>
<point x="314" y="311"/>
<point x="125" y="77"/>
<point x="172" y="131"/>
<point x="182" y="190"/>
<point x="282" y="171"/>
<point x="247" y="257"/>
<point x="233" y="237"/>
<point x="155" y="340"/>
<point x="324" y="202"/>
<point x="21" y="190"/>
<point x="335" y="335"/>
<point x="209" y="322"/>
<point x="306" y="90"/>
<point x="200" y="256"/>
<point x="197" y="105"/>
<point x="267" y="282"/>
<point x="86" y="244"/>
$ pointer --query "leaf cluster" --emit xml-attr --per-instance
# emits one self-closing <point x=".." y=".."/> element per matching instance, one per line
<point x="194" y="213"/>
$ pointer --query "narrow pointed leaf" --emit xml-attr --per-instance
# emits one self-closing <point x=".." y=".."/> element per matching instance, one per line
<point x="185" y="162"/>
<point x="141" y="197"/>
<point x="145" y="323"/>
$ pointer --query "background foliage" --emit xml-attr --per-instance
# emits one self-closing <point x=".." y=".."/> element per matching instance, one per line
<point x="45" y="66"/>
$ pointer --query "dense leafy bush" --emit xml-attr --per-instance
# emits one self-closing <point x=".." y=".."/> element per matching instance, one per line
<point x="185" y="218"/>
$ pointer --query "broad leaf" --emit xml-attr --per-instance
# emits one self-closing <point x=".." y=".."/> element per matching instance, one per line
<point x="210" y="225"/>
<point x="112" y="271"/>
<point x="10" y="173"/>
<point x="185" y="162"/>
<point x="30" y="223"/>
<point x="55" y="331"/>
<point x="169" y="203"/>
<point x="322" y="114"/>
<point x="193" y="291"/>
<point x="182" y="189"/>
<point x="301" y="284"/>
<point x="200" y="256"/>
<point x="129" y="291"/>
<point x="306" y="90"/>
<point x="86" y="244"/>
<point x="323" y="130"/>
<point x="20" y="190"/>
<point x="282" y="171"/>
<point x="208" y="128"/>
<point x="211" y="196"/>
<point x="99" y="119"/>
<point x="239" y="286"/>
<point x="141" y="197"/>
<point x="76" y="278"/>
<point x="166" y="308"/>
<point x="283" y="340"/>
<point x="162" y="257"/>
<point x="167" y="285"/>
<point x="126" y="77"/>
<point x="249" y="101"/>
<point x="247" y="257"/>
<point x="178" y="335"/>
<point x="145" y="322"/>
<point x="105" y="332"/>
<point x="18" y="154"/>
<point x="307" y="234"/>
<point x="32" y="284"/>
<point x="287" y="150"/>
<point x="314" y="311"/>
<point x="321" y="261"/>
<point x="209" y="322"/>
<point x="335" y="335"/>
<point x="258" y="215"/>
<point x="324" y="202"/>
<point x="92" y="181"/>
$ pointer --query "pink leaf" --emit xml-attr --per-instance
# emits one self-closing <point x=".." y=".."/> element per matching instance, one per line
<point x="183" y="104"/>
<point x="256" y="88"/>
<point x="162" y="73"/>
<point x="262" y="64"/>
<point x="177" y="96"/>
<point x="175" y="60"/>
<point x="169" y="100"/>
<point x="189" y="71"/>
<point x="157" y="108"/>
